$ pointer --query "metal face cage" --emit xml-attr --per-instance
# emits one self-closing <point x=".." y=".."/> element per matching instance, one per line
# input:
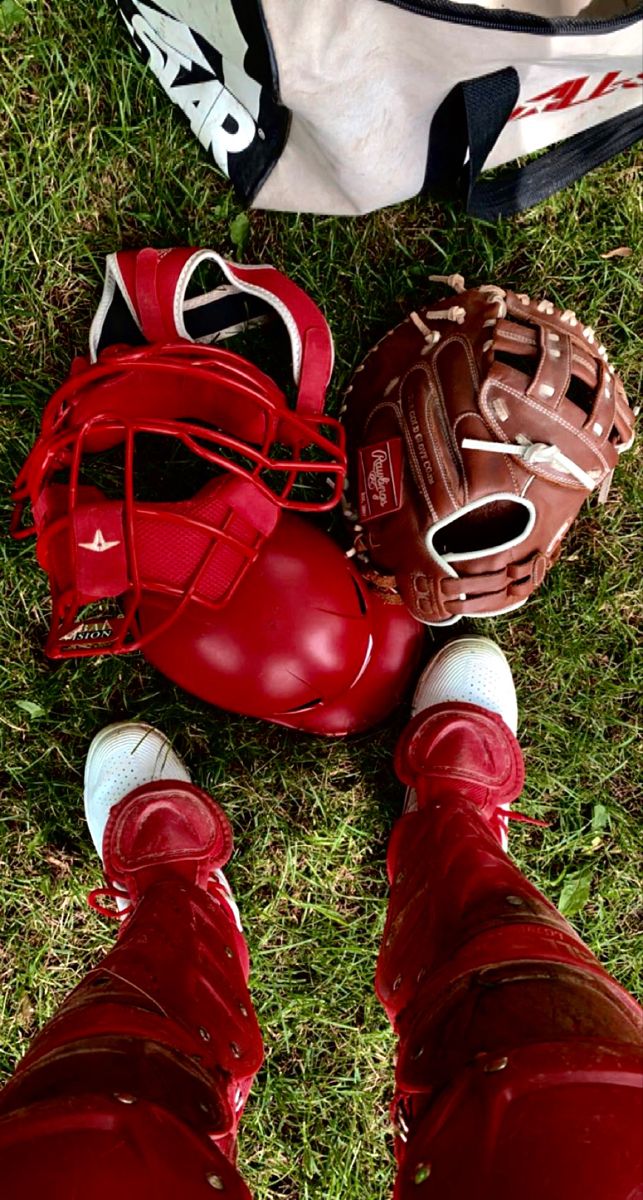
<point x="104" y="555"/>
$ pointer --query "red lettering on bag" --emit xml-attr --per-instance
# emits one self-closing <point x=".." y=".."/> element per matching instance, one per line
<point x="611" y="83"/>
<point x="567" y="94"/>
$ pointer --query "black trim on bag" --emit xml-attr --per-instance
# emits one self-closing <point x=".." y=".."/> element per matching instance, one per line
<point x="511" y="21"/>
<point x="274" y="117"/>
<point x="276" y="95"/>
<point x="466" y="127"/>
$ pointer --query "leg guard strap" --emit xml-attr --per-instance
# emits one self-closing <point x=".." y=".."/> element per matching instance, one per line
<point x="555" y="1120"/>
<point x="106" y="1147"/>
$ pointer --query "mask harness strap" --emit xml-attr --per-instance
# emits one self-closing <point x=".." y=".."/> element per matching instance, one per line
<point x="144" y="300"/>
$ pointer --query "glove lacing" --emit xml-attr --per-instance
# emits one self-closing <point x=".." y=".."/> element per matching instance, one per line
<point x="536" y="452"/>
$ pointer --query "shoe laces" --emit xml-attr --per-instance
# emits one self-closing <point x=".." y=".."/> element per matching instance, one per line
<point x="112" y="892"/>
<point x="502" y="816"/>
<point x="218" y="889"/>
<point x="537" y="453"/>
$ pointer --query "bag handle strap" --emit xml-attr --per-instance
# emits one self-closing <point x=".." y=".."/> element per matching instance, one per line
<point x="466" y="127"/>
<point x="144" y="300"/>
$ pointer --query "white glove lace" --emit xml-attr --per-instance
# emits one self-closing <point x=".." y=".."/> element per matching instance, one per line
<point x="535" y="452"/>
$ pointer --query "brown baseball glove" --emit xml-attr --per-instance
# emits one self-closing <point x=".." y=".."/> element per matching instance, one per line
<point x="476" y="429"/>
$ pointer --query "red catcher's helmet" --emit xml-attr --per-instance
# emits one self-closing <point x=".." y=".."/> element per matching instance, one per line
<point x="228" y="591"/>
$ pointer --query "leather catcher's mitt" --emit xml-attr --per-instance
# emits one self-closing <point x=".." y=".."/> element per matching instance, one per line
<point x="476" y="429"/>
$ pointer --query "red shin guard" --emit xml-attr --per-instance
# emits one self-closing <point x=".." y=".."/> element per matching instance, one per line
<point x="519" y="1073"/>
<point x="136" y="1086"/>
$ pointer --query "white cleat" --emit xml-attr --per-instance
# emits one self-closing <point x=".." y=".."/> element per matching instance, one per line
<point x="123" y="757"/>
<point x="472" y="670"/>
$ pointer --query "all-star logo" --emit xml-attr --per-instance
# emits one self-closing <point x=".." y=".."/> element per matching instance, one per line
<point x="88" y="633"/>
<point x="191" y="71"/>
<point x="99" y="544"/>
<point x="576" y="91"/>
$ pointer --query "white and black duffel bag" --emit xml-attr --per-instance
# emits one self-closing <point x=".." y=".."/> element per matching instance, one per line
<point x="345" y="106"/>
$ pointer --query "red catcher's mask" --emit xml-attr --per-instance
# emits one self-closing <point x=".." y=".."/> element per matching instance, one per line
<point x="226" y="589"/>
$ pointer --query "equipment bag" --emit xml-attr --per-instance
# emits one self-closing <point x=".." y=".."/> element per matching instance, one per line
<point x="344" y="106"/>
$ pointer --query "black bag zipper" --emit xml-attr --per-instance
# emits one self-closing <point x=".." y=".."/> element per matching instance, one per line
<point x="511" y="21"/>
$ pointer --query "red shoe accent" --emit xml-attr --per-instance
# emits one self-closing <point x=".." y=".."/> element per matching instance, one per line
<point x="461" y="749"/>
<point x="165" y="828"/>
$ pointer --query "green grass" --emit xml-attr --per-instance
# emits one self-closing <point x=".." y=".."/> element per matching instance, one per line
<point x="93" y="158"/>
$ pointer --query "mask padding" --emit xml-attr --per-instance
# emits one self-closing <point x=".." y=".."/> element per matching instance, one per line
<point x="221" y="314"/>
<point x="485" y="528"/>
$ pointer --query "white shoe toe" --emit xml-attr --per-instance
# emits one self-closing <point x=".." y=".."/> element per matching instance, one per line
<point x="472" y="670"/>
<point x="123" y="757"/>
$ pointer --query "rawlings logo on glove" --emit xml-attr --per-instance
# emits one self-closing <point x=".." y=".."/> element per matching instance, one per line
<point x="380" y="474"/>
